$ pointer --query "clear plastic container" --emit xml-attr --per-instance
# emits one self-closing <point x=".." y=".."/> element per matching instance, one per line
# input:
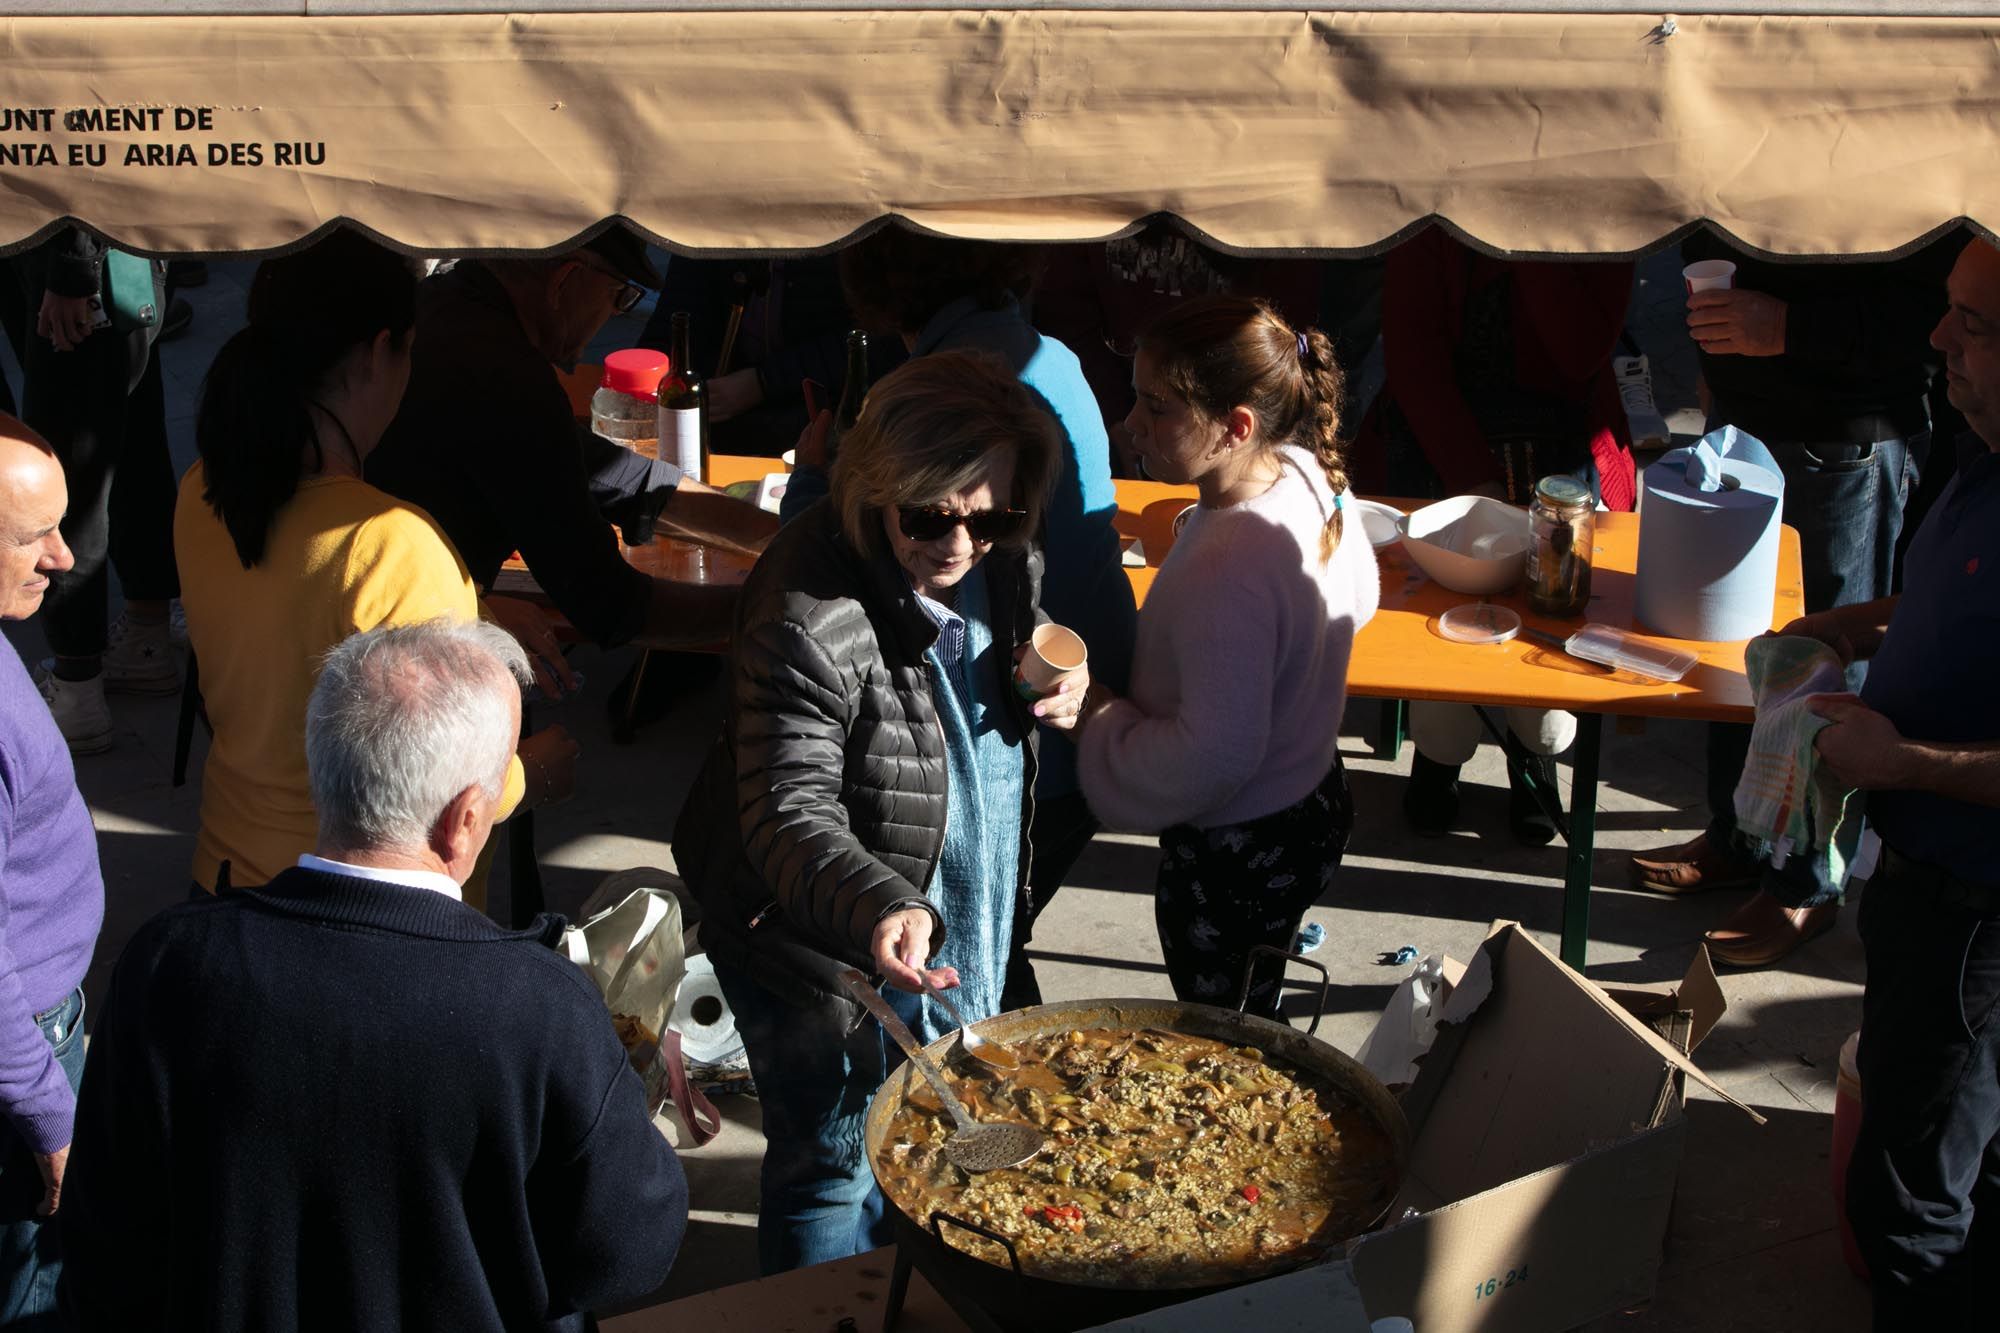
<point x="626" y="406"/>
<point x="1479" y="622"/>
<point x="1622" y="651"/>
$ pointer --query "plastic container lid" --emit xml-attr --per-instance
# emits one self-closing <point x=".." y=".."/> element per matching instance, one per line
<point x="1479" y="622"/>
<point x="1615" y="648"/>
<point x="636" y="371"/>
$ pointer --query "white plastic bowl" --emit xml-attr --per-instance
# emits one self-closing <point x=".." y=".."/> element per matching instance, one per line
<point x="1469" y="543"/>
<point x="1381" y="522"/>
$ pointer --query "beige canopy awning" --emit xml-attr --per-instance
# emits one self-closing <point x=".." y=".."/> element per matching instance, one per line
<point x="792" y="128"/>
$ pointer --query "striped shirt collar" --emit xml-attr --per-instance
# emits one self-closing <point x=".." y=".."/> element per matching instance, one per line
<point x="951" y="629"/>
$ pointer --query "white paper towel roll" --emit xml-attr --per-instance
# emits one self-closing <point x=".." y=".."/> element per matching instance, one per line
<point x="1708" y="560"/>
<point x="702" y="1016"/>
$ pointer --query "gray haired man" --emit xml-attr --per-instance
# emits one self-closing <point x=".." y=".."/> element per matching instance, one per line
<point x="346" y="1099"/>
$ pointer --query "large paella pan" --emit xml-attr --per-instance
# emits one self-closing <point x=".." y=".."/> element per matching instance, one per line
<point x="1191" y="1148"/>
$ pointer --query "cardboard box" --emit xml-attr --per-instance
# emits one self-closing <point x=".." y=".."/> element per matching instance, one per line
<point x="1547" y="1134"/>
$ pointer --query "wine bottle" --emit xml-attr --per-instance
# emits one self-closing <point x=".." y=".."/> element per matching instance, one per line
<point x="853" y="389"/>
<point x="683" y="405"/>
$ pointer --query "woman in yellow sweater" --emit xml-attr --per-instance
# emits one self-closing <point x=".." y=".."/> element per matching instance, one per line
<point x="284" y="550"/>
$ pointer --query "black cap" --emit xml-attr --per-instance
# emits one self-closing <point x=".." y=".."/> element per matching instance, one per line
<point x="626" y="254"/>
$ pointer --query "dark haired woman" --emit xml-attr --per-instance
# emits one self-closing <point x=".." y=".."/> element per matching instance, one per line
<point x="1229" y="742"/>
<point x="285" y="551"/>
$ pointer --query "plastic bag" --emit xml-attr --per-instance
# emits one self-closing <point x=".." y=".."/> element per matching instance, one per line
<point x="1408" y="1025"/>
<point x="631" y="945"/>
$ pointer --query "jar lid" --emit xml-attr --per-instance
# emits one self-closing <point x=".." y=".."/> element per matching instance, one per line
<point x="1560" y="492"/>
<point x="1479" y="622"/>
<point x="636" y="371"/>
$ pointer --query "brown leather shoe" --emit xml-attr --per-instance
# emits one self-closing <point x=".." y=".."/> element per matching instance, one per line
<point x="1692" y="867"/>
<point x="1764" y="930"/>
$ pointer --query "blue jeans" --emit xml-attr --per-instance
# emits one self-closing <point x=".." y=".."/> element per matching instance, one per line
<point x="1847" y="501"/>
<point x="30" y="1252"/>
<point x="815" y="1080"/>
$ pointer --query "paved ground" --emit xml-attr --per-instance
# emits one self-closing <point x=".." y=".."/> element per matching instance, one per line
<point x="1751" y="1244"/>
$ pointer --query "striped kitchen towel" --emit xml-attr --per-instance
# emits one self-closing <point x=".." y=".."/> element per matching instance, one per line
<point x="1785" y="799"/>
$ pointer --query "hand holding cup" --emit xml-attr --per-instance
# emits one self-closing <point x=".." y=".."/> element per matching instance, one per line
<point x="1052" y="670"/>
<point x="1727" y="321"/>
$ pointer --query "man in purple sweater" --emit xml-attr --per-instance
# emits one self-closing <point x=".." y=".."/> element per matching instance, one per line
<point x="51" y="900"/>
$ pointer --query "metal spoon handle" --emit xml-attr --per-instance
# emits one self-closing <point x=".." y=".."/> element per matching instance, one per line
<point x="950" y="1008"/>
<point x="872" y="1001"/>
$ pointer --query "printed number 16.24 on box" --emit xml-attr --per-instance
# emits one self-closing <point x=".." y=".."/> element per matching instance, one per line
<point x="1494" y="1285"/>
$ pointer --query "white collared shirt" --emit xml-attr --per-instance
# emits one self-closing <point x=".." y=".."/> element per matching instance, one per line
<point x="409" y="879"/>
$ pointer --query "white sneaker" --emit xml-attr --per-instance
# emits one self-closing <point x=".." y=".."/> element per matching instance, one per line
<point x="79" y="710"/>
<point x="139" y="659"/>
<point x="1642" y="414"/>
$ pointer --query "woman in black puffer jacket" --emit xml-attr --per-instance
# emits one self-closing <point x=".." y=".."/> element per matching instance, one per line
<point x="869" y="801"/>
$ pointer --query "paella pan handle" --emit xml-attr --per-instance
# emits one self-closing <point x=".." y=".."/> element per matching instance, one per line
<point x="1285" y="956"/>
<point x="941" y="1216"/>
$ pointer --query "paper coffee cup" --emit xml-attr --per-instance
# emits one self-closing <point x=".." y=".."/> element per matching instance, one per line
<point x="1709" y="275"/>
<point x="1053" y="652"/>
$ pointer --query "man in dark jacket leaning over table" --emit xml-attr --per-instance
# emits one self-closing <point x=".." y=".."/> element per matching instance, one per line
<point x="346" y="1100"/>
<point x="487" y="444"/>
<point x="1923" y="1188"/>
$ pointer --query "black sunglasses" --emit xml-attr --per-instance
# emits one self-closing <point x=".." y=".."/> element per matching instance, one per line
<point x="629" y="293"/>
<point x="923" y="524"/>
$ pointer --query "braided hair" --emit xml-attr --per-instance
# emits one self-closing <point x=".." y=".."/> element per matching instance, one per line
<point x="1223" y="352"/>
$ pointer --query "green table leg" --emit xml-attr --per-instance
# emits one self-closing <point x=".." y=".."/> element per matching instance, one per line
<point x="1389" y="734"/>
<point x="1582" y="838"/>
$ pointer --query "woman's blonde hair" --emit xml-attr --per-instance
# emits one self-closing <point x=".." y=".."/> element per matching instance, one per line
<point x="1223" y="352"/>
<point x="931" y="428"/>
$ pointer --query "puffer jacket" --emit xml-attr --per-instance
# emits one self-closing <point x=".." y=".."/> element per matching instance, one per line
<point x="821" y="808"/>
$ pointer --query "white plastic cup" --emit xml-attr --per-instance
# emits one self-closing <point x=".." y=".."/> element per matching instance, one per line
<point x="1053" y="652"/>
<point x="1709" y="275"/>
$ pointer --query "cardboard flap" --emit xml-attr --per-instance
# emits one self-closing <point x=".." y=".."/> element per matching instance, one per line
<point x="1701" y="995"/>
<point x="1651" y="1038"/>
<point x="1452" y="970"/>
<point x="1469" y="988"/>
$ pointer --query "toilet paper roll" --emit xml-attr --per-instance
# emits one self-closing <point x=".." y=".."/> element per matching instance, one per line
<point x="1708" y="560"/>
<point x="702" y="1016"/>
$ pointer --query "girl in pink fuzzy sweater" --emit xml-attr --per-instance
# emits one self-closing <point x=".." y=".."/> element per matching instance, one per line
<point x="1228" y="742"/>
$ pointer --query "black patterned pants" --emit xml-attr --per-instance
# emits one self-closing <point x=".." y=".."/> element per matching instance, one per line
<point x="1222" y="891"/>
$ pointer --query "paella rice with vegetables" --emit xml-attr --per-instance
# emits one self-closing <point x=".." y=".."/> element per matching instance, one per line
<point x="1173" y="1160"/>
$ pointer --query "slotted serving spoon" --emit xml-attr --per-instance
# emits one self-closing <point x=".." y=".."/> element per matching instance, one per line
<point x="975" y="1145"/>
<point x="989" y="1053"/>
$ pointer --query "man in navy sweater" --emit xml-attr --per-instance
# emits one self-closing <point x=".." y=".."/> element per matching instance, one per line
<point x="347" y="1100"/>
<point x="1923" y="737"/>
